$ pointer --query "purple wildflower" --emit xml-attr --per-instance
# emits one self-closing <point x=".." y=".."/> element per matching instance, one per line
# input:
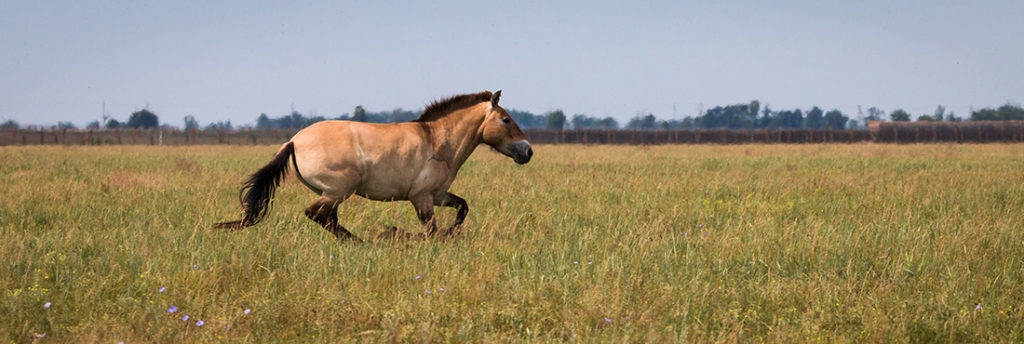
<point x="607" y="320"/>
<point x="195" y="267"/>
<point x="161" y="289"/>
<point x="417" y="276"/>
<point x="199" y="323"/>
<point x="442" y="289"/>
<point x="172" y="309"/>
<point x="39" y="335"/>
<point x="428" y="292"/>
<point x="46" y="305"/>
<point x="247" y="310"/>
<point x="699" y="225"/>
<point x="977" y="306"/>
<point x="184" y="318"/>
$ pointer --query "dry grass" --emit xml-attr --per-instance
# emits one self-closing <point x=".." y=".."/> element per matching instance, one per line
<point x="779" y="243"/>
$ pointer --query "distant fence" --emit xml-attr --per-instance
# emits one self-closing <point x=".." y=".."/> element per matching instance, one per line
<point x="891" y="132"/>
<point x="170" y="137"/>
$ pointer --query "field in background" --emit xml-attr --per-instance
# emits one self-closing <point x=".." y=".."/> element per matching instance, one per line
<point x="779" y="243"/>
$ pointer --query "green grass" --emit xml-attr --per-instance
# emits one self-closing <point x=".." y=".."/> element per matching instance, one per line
<point x="750" y="243"/>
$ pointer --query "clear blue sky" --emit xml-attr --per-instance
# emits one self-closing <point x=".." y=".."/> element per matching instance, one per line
<point x="234" y="60"/>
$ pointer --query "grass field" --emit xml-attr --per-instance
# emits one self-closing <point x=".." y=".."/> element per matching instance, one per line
<point x="750" y="243"/>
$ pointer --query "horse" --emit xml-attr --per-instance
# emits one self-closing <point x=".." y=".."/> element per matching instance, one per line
<point x="414" y="161"/>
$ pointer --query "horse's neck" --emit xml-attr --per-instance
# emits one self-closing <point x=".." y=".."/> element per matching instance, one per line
<point x="456" y="137"/>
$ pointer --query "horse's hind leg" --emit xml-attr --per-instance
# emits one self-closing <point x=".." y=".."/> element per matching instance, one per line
<point x="462" y="209"/>
<point x="324" y="211"/>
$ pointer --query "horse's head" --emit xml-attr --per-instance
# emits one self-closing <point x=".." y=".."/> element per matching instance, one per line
<point x="503" y="134"/>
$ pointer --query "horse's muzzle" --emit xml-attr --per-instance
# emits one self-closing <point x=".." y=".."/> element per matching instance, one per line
<point x="521" y="152"/>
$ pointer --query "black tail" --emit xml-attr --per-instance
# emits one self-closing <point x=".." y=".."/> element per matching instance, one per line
<point x="258" y="190"/>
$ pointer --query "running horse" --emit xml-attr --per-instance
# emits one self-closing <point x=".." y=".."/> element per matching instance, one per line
<point x="415" y="161"/>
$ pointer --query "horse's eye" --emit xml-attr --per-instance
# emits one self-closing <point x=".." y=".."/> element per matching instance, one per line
<point x="506" y="120"/>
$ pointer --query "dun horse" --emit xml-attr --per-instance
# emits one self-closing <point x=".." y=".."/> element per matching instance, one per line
<point x="415" y="161"/>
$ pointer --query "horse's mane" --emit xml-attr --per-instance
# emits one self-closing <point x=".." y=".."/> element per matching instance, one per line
<point x="443" y="107"/>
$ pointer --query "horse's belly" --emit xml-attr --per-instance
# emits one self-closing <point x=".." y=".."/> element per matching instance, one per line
<point x="391" y="184"/>
<point x="383" y="189"/>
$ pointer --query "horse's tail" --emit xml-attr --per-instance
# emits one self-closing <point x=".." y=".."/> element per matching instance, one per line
<point x="258" y="190"/>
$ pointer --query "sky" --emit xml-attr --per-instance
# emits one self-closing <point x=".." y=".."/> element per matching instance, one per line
<point x="228" y="60"/>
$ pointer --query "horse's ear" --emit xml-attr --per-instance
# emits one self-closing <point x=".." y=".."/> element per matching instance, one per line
<point x="495" y="97"/>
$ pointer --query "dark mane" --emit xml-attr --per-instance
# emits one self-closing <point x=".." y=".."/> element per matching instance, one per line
<point x="443" y="107"/>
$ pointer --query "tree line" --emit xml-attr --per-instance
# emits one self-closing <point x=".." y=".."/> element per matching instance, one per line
<point x="737" y="116"/>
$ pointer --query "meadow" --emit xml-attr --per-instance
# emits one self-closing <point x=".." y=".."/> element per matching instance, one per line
<point x="675" y="243"/>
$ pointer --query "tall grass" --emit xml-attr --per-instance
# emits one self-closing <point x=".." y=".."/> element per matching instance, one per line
<point x="775" y="243"/>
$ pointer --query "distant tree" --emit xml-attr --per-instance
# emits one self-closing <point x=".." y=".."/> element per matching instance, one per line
<point x="264" y="122"/>
<point x="93" y="125"/>
<point x="609" y="123"/>
<point x="874" y="114"/>
<point x="66" y="125"/>
<point x="766" y="117"/>
<point x="400" y="115"/>
<point x="219" y="126"/>
<point x="815" y="119"/>
<point x="952" y="117"/>
<point x="359" y="114"/>
<point x="645" y="122"/>
<point x="556" y="120"/>
<point x="940" y="111"/>
<point x="899" y="115"/>
<point x="9" y="125"/>
<point x="925" y="118"/>
<point x="580" y="121"/>
<point x="788" y="119"/>
<point x="732" y="116"/>
<point x="113" y="124"/>
<point x="753" y="108"/>
<point x="143" y="119"/>
<point x="526" y="120"/>
<point x="836" y="120"/>
<point x="1006" y="112"/>
<point x="191" y="122"/>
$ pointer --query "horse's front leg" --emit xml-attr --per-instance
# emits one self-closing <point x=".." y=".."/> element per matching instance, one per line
<point x="461" y="208"/>
<point x="425" y="211"/>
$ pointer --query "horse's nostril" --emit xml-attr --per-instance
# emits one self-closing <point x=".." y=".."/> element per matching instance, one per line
<point x="529" y="152"/>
